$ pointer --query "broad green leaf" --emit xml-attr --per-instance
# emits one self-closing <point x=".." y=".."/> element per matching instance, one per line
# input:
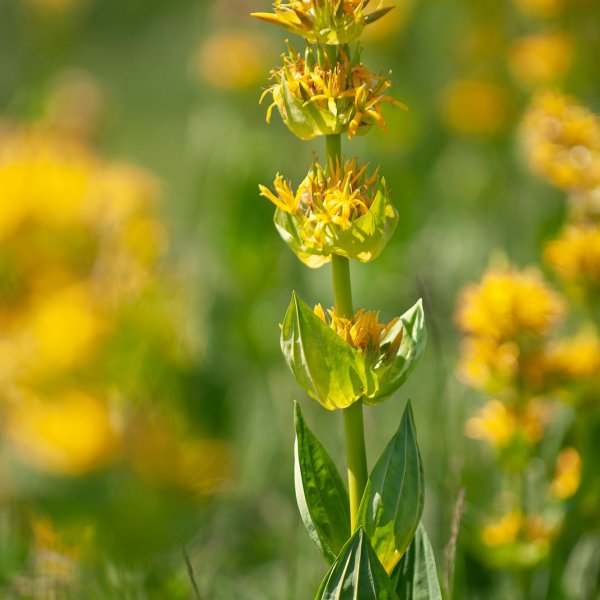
<point x="365" y="239"/>
<point x="393" y="372"/>
<point x="416" y="571"/>
<point x="321" y="495"/>
<point x="328" y="368"/>
<point x="392" y="503"/>
<point x="357" y="574"/>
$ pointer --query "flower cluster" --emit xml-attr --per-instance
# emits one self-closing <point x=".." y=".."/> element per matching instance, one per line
<point x="82" y="240"/>
<point x="322" y="93"/>
<point x="339" y="210"/>
<point x="323" y="21"/>
<point x="562" y="142"/>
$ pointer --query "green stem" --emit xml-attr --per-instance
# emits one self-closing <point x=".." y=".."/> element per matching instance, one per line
<point x="353" y="416"/>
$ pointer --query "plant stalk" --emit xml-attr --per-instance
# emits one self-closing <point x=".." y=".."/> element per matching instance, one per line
<point x="353" y="416"/>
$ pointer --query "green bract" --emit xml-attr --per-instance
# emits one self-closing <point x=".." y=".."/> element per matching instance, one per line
<point x="364" y="239"/>
<point x="335" y="373"/>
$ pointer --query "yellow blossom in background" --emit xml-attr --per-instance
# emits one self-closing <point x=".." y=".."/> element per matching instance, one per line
<point x="497" y="424"/>
<point x="541" y="8"/>
<point x="503" y="531"/>
<point x="65" y="327"/>
<point x="562" y="142"/>
<point x="568" y="474"/>
<point x="68" y="434"/>
<point x="488" y="364"/>
<point x="475" y="106"/>
<point x="575" y="255"/>
<point x="393" y="24"/>
<point x="507" y="303"/>
<point x="576" y="358"/>
<point x="231" y="60"/>
<point x="541" y="59"/>
<point x="494" y="424"/>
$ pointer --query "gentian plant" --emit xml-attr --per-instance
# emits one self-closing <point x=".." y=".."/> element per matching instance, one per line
<point x="370" y="533"/>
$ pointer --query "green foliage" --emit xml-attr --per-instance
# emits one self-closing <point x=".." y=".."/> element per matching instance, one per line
<point x="393" y="499"/>
<point x="416" y="571"/>
<point x="357" y="574"/>
<point x="321" y="495"/>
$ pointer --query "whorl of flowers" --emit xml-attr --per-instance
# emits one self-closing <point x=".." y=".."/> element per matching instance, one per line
<point x="323" y="95"/>
<point x="324" y="21"/>
<point x="330" y="209"/>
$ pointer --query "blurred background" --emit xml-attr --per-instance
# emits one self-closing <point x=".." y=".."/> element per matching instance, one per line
<point x="146" y="446"/>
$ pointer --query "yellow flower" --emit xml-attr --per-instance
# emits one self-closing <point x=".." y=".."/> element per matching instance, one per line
<point x="575" y="255"/>
<point x="475" y="106"/>
<point x="363" y="331"/>
<point x="494" y="424"/>
<point x="562" y="142"/>
<point x="231" y="60"/>
<point x="498" y="424"/>
<point x="541" y="59"/>
<point x="508" y="302"/>
<point x="487" y="364"/>
<point x="504" y="531"/>
<point x="568" y="474"/>
<point x="71" y="434"/>
<point x="65" y="327"/>
<point x="323" y="21"/>
<point x="43" y="178"/>
<point x="577" y="358"/>
<point x="319" y="217"/>
<point x="316" y="96"/>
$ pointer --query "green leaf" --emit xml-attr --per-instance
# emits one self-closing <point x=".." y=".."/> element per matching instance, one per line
<point x="392" y="503"/>
<point x="321" y="495"/>
<point x="366" y="238"/>
<point x="392" y="372"/>
<point x="357" y="574"/>
<point x="328" y="368"/>
<point x="416" y="572"/>
<point x="295" y="117"/>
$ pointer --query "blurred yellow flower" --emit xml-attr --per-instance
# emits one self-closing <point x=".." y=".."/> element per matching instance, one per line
<point x="503" y="531"/>
<point x="562" y="142"/>
<point x="475" y="106"/>
<point x="487" y="364"/>
<point x="541" y="59"/>
<point x="576" y="358"/>
<point x="70" y="434"/>
<point x="494" y="424"/>
<point x="575" y="255"/>
<point x="568" y="474"/>
<point x="65" y="327"/>
<point x="507" y="303"/>
<point x="231" y="60"/>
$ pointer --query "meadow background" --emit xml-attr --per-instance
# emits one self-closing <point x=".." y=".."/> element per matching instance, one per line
<point x="185" y="430"/>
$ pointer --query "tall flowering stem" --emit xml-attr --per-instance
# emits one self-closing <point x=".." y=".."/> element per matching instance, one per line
<point x="342" y="358"/>
<point x="356" y="454"/>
